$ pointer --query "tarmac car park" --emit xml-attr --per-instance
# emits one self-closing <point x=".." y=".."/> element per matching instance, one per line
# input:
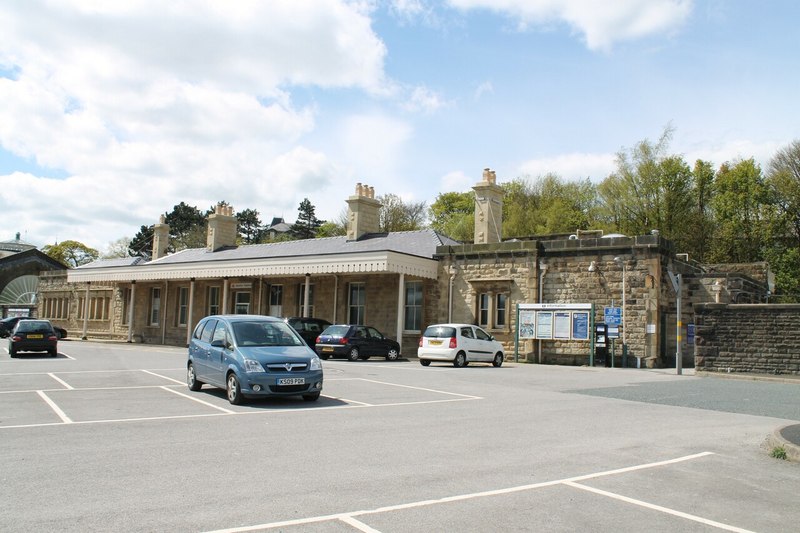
<point x="107" y="437"/>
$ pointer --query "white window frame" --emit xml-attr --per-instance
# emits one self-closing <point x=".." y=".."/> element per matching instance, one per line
<point x="359" y="307"/>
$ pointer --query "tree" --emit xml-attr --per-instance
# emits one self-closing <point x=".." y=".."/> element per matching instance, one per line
<point x="453" y="214"/>
<point x="250" y="230"/>
<point x="700" y="226"/>
<point x="118" y="248"/>
<point x="307" y="223"/>
<point x="142" y="243"/>
<point x="187" y="227"/>
<point x="741" y="213"/>
<point x="783" y="182"/>
<point x="71" y="253"/>
<point x="396" y="215"/>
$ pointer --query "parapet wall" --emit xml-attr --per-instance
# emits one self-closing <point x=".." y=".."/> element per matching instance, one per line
<point x="757" y="338"/>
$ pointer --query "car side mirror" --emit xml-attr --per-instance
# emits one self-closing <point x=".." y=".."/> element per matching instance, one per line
<point x="218" y="343"/>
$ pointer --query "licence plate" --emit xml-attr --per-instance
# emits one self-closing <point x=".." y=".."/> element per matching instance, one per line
<point x="434" y="343"/>
<point x="36" y="336"/>
<point x="327" y="349"/>
<point x="291" y="381"/>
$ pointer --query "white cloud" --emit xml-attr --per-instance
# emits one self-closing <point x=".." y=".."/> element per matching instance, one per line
<point x="572" y="166"/>
<point x="600" y="23"/>
<point x="424" y="100"/>
<point x="144" y="104"/>
<point x="456" y="181"/>
<point x="484" y="88"/>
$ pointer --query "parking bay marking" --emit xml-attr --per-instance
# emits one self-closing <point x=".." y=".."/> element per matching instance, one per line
<point x="61" y="381"/>
<point x="61" y="414"/>
<point x="348" y="517"/>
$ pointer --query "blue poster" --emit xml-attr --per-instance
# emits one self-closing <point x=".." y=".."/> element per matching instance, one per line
<point x="580" y="325"/>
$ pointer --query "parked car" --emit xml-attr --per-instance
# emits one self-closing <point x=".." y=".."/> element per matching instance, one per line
<point x="356" y="342"/>
<point x="460" y="344"/>
<point x="252" y="356"/>
<point x="33" y="336"/>
<point x="7" y="326"/>
<point x="308" y="328"/>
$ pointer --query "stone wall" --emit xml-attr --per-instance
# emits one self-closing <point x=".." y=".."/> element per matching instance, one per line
<point x="757" y="338"/>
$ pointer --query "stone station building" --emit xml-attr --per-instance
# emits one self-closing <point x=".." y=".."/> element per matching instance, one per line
<point x="400" y="282"/>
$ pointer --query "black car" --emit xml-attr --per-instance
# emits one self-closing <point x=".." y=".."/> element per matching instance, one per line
<point x="7" y="326"/>
<point x="33" y="336"/>
<point x="356" y="342"/>
<point x="308" y="328"/>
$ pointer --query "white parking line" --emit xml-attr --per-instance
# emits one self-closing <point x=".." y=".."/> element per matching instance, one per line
<point x="59" y="380"/>
<point x="655" y="507"/>
<point x="61" y="414"/>
<point x="347" y="516"/>
<point x="198" y="400"/>
<point x="163" y="377"/>
<point x="423" y="389"/>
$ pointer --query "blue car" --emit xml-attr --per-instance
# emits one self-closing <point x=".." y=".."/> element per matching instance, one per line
<point x="252" y="356"/>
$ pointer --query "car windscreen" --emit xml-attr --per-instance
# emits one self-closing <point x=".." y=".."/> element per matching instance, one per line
<point x="262" y="333"/>
<point x="440" y="332"/>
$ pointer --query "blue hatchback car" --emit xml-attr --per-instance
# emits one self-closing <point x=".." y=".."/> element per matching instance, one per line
<point x="252" y="356"/>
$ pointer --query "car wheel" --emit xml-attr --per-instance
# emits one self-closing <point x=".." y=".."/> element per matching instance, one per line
<point x="313" y="397"/>
<point x="461" y="360"/>
<point x="353" y="354"/>
<point x="53" y="352"/>
<point x="12" y="352"/>
<point x="424" y="362"/>
<point x="191" y="379"/>
<point x="498" y="359"/>
<point x="324" y="357"/>
<point x="393" y="354"/>
<point x="234" y="390"/>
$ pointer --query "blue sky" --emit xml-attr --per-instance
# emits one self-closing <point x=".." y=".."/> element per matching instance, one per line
<point x="113" y="112"/>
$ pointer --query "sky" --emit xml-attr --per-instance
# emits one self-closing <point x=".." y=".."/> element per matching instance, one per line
<point x="111" y="113"/>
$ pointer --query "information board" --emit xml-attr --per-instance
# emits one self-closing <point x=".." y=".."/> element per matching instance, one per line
<point x="612" y="315"/>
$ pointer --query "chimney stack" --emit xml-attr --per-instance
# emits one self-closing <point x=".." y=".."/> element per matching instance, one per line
<point x="363" y="213"/>
<point x="488" y="209"/>
<point x="222" y="226"/>
<point x="160" y="238"/>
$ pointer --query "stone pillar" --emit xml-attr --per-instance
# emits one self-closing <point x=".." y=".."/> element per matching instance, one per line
<point x="488" y="209"/>
<point x="363" y="213"/>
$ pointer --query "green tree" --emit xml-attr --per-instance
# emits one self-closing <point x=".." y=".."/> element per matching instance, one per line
<point x="251" y="230"/>
<point x="187" y="227"/>
<point x="396" y="215"/>
<point x="71" y="253"/>
<point x="307" y="223"/>
<point x="700" y="227"/>
<point x="741" y="213"/>
<point x="141" y="244"/>
<point x="453" y="214"/>
<point x="783" y="182"/>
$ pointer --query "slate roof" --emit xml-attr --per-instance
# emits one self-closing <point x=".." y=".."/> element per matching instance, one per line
<point x="115" y="262"/>
<point x="421" y="243"/>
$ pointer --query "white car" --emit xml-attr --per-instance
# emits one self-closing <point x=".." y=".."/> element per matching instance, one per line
<point x="460" y="344"/>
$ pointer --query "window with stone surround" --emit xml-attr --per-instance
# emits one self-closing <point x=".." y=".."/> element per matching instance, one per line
<point x="242" y="303"/>
<point x="155" y="306"/>
<point x="501" y="310"/>
<point x="276" y="300"/>
<point x="357" y="303"/>
<point x="484" y="300"/>
<point x="125" y="296"/>
<point x="413" y="306"/>
<point x="213" y="300"/>
<point x="182" y="314"/>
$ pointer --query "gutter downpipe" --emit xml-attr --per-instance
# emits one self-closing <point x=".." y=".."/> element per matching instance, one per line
<point x="450" y="294"/>
<point x="307" y="293"/>
<point x="400" y="304"/>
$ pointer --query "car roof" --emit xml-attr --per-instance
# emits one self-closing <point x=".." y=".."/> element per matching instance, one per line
<point x="451" y="325"/>
<point x="245" y="318"/>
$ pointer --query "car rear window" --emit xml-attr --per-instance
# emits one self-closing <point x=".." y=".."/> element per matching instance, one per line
<point x="33" y="325"/>
<point x="440" y="332"/>
<point x="336" y="331"/>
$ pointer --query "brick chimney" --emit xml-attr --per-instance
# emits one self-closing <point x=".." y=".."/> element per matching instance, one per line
<point x="222" y="225"/>
<point x="160" y="238"/>
<point x="488" y="209"/>
<point x="363" y="213"/>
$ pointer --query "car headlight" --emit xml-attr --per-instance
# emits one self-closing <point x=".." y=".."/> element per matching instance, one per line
<point x="251" y="365"/>
<point x="316" y="364"/>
